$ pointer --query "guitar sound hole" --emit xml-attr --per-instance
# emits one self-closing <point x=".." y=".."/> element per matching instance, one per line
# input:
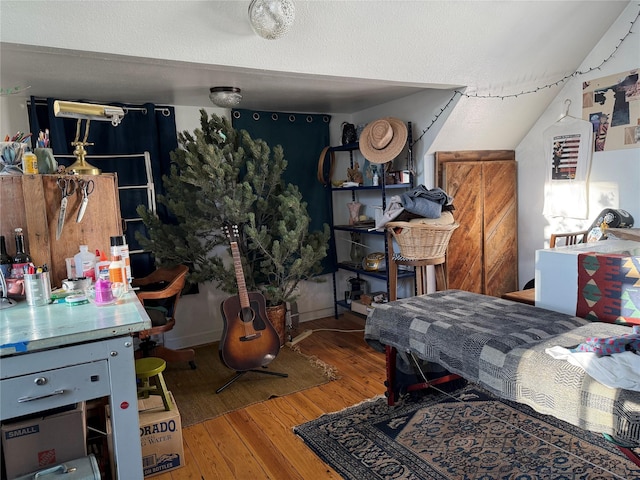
<point x="247" y="314"/>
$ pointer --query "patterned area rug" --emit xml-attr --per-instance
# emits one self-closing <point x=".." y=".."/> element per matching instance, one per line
<point x="194" y="390"/>
<point x="468" y="434"/>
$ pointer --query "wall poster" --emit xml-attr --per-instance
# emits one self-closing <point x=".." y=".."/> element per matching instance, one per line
<point x="567" y="150"/>
<point x="612" y="105"/>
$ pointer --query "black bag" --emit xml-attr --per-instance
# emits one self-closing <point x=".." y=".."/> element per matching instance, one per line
<point x="348" y="133"/>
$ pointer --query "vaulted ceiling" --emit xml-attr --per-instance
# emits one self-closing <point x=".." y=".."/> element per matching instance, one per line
<point x="339" y="57"/>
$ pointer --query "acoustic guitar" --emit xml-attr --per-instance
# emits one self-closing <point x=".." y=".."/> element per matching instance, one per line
<point x="248" y="340"/>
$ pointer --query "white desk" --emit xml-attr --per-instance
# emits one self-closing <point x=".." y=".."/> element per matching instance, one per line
<point x="556" y="274"/>
<point x="58" y="355"/>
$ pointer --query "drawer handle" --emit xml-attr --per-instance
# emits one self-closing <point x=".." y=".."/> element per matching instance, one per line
<point x="31" y="399"/>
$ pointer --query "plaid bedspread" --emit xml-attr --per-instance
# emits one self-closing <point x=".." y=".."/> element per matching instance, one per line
<point x="500" y="345"/>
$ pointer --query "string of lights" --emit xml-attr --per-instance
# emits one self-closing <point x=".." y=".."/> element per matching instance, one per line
<point x="576" y="73"/>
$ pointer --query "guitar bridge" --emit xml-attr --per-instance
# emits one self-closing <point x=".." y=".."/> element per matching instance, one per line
<point x="248" y="338"/>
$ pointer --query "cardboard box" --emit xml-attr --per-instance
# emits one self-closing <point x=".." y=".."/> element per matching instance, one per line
<point x="33" y="443"/>
<point x="160" y="436"/>
<point x="359" y="307"/>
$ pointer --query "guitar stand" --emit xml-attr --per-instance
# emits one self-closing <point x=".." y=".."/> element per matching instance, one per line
<point x="239" y="374"/>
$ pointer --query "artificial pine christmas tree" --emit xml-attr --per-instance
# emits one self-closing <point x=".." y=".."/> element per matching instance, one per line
<point x="220" y="177"/>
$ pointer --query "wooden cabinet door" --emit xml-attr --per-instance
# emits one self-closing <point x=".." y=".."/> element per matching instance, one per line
<point x="463" y="181"/>
<point x="482" y="256"/>
<point x="500" y="213"/>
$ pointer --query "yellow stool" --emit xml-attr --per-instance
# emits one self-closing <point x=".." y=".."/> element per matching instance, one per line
<point x="149" y="368"/>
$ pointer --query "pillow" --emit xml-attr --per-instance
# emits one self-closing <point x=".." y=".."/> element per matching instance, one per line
<point x="608" y="289"/>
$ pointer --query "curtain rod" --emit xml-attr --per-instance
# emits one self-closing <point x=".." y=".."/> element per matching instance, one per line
<point x="164" y="109"/>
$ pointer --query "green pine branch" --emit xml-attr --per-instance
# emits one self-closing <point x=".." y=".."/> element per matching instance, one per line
<point x="220" y="177"/>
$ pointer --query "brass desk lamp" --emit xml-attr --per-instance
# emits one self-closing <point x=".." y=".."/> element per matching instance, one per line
<point x="87" y="112"/>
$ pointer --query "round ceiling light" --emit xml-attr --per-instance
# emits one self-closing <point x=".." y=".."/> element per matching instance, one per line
<point x="271" y="19"/>
<point x="225" y="97"/>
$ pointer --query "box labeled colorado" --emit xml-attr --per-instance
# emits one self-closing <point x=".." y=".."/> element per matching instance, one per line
<point x="160" y="436"/>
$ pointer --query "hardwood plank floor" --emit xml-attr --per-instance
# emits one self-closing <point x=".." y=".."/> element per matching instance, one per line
<point x="258" y="442"/>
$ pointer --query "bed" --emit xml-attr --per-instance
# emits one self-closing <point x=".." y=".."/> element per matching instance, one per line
<point x="500" y="345"/>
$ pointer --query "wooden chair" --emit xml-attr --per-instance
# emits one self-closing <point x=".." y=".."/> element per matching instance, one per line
<point x="572" y="238"/>
<point x="160" y="292"/>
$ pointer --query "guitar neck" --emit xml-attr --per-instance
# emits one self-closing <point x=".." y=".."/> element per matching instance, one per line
<point x="242" y="286"/>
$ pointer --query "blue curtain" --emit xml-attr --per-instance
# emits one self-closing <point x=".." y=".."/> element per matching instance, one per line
<point x="302" y="136"/>
<point x="143" y="128"/>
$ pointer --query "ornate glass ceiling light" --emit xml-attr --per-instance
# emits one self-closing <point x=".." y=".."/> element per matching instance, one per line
<point x="225" y="97"/>
<point x="271" y="19"/>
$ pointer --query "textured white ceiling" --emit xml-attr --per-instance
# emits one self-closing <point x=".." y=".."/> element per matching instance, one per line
<point x="178" y="49"/>
<point x="339" y="57"/>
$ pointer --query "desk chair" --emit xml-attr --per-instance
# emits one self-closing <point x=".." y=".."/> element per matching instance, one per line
<point x="572" y="238"/>
<point x="159" y="293"/>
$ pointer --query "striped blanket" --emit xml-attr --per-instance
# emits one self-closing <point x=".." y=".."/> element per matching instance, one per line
<point x="500" y="345"/>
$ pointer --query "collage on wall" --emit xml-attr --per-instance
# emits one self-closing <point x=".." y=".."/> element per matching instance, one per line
<point x="612" y="105"/>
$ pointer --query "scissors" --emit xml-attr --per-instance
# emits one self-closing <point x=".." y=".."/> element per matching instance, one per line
<point x="86" y="186"/>
<point x="67" y="186"/>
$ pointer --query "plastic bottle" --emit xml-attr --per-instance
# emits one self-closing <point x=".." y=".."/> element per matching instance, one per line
<point x="5" y="259"/>
<point x="117" y="273"/>
<point x="85" y="263"/>
<point x="29" y="163"/>
<point x="102" y="266"/>
<point x="119" y="247"/>
<point x="22" y="258"/>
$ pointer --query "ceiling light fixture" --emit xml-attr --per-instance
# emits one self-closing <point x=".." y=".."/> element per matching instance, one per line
<point x="225" y="97"/>
<point x="271" y="19"/>
<point x="87" y="112"/>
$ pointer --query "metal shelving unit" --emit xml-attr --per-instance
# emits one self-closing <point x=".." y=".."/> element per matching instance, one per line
<point x="382" y="188"/>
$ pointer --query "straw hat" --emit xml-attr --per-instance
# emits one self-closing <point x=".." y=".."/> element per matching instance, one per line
<point x="381" y="141"/>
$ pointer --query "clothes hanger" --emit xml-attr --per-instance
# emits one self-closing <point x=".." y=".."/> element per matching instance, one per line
<point x="567" y="104"/>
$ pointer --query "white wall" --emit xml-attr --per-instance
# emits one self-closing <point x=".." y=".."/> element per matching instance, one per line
<point x="615" y="175"/>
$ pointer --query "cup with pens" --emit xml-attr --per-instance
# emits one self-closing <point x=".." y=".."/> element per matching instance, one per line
<point x="37" y="286"/>
<point x="46" y="161"/>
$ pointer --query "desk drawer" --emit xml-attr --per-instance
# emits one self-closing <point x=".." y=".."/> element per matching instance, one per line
<point x="53" y="388"/>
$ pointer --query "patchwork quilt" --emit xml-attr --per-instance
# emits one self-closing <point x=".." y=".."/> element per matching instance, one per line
<point x="501" y="345"/>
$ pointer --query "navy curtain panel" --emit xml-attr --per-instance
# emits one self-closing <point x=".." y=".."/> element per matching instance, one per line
<point x="144" y="128"/>
<point x="302" y="136"/>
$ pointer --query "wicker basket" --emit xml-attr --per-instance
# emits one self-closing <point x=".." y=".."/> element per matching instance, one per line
<point x="419" y="241"/>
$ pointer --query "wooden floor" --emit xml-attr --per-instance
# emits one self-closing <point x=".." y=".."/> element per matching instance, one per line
<point x="257" y="442"/>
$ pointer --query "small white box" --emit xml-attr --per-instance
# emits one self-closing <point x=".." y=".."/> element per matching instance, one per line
<point x="360" y="308"/>
<point x="405" y="176"/>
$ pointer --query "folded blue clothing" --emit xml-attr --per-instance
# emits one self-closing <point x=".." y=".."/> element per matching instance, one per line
<point x="424" y="202"/>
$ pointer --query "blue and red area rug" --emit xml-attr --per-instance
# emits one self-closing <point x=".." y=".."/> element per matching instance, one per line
<point x="468" y="434"/>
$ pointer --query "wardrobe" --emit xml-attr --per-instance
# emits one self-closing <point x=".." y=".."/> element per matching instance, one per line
<point x="482" y="256"/>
